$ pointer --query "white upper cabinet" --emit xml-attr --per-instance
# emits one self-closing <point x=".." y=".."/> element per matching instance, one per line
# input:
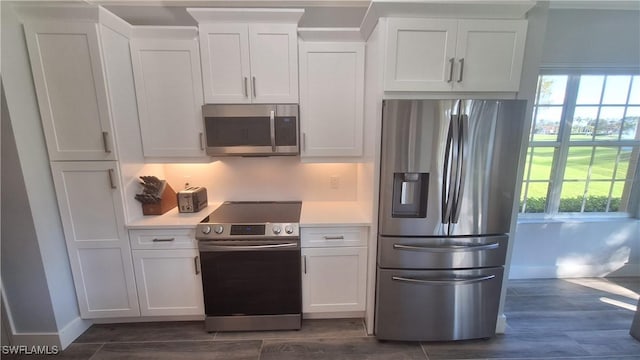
<point x="249" y="63"/>
<point x="168" y="82"/>
<point x="72" y="94"/>
<point x="331" y="98"/>
<point x="454" y="55"/>
<point x="248" y="55"/>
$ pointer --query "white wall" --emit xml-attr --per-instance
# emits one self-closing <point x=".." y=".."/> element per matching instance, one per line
<point x="266" y="178"/>
<point x="592" y="38"/>
<point x="571" y="248"/>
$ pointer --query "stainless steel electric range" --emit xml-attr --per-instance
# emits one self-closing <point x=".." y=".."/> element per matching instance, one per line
<point x="250" y="257"/>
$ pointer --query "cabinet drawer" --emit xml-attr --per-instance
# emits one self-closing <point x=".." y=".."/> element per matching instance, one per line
<point x="163" y="239"/>
<point x="332" y="237"/>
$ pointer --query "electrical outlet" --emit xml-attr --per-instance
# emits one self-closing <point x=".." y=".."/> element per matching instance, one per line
<point x="334" y="182"/>
<point x="187" y="181"/>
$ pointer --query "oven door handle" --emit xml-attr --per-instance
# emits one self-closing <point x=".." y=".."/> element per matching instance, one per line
<point x="209" y="247"/>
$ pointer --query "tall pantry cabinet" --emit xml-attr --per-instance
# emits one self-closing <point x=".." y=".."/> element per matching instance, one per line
<point x="76" y="88"/>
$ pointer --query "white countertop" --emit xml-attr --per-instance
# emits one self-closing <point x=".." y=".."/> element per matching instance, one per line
<point x="314" y="213"/>
<point x="173" y="219"/>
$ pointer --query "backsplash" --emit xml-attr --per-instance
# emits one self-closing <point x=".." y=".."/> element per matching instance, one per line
<point x="269" y="178"/>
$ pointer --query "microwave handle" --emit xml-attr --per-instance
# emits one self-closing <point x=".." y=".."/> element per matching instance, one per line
<point x="272" y="122"/>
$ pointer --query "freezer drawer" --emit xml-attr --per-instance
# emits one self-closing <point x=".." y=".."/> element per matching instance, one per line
<point x="442" y="253"/>
<point x="437" y="305"/>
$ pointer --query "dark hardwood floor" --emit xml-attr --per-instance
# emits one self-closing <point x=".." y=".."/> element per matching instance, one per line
<point x="547" y="319"/>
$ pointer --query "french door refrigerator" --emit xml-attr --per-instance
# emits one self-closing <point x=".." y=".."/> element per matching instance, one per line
<point x="447" y="180"/>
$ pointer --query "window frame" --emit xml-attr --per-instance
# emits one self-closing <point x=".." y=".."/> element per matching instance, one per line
<point x="563" y="143"/>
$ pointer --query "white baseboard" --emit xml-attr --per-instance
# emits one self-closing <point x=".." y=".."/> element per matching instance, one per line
<point x="334" y="315"/>
<point x="36" y="339"/>
<point x="501" y="324"/>
<point x="71" y="332"/>
<point x="148" y="319"/>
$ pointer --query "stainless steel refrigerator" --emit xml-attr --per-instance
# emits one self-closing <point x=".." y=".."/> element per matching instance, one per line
<point x="447" y="179"/>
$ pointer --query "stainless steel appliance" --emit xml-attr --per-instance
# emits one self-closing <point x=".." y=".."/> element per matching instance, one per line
<point x="192" y="199"/>
<point x="251" y="268"/>
<point x="251" y="130"/>
<point x="447" y="180"/>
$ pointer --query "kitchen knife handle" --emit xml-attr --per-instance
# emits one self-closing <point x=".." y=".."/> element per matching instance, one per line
<point x="196" y="263"/>
<point x="201" y="141"/>
<point x="111" y="180"/>
<point x="246" y="90"/>
<point x="461" y="70"/>
<point x="253" y="86"/>
<point x="105" y="142"/>
<point x="451" y="64"/>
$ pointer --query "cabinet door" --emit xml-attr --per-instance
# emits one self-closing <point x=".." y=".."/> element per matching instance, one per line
<point x="420" y="55"/>
<point x="274" y="63"/>
<point x="90" y="202"/>
<point x="169" y="94"/>
<point x="489" y="55"/>
<point x="169" y="282"/>
<point x="224" y="51"/>
<point x="71" y="89"/>
<point x="331" y="98"/>
<point x="334" y="279"/>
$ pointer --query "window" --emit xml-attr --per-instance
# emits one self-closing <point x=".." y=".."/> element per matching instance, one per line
<point x="584" y="144"/>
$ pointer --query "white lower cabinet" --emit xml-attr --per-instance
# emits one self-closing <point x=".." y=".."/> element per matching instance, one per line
<point x="169" y="282"/>
<point x="334" y="276"/>
<point x="90" y="203"/>
<point x="167" y="269"/>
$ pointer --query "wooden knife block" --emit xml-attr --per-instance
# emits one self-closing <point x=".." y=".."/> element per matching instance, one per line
<point x="168" y="201"/>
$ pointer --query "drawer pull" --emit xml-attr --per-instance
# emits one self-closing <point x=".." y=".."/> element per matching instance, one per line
<point x="338" y="237"/>
<point x="453" y="281"/>
<point x="163" y="239"/>
<point x="196" y="263"/>
<point x="449" y="248"/>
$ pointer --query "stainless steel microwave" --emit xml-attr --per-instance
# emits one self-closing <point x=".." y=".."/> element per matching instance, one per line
<point x="251" y="130"/>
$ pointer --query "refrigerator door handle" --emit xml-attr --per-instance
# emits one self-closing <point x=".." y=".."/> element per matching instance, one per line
<point x="462" y="154"/>
<point x="452" y="281"/>
<point x="447" y="170"/>
<point x="448" y="248"/>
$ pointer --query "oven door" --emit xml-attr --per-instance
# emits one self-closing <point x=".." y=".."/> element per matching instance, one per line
<point x="251" y="130"/>
<point x="244" y="278"/>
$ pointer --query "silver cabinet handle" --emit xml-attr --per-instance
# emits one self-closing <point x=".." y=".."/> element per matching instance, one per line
<point x="339" y="237"/>
<point x="272" y="123"/>
<point x="304" y="142"/>
<point x="461" y="70"/>
<point x="447" y="248"/>
<point x="304" y="259"/>
<point x="453" y="281"/>
<point x="105" y="142"/>
<point x="253" y="87"/>
<point x="201" y="141"/>
<point x="163" y="239"/>
<point x="196" y="263"/>
<point x="111" y="179"/>
<point x="451" y="62"/>
<point x="246" y="91"/>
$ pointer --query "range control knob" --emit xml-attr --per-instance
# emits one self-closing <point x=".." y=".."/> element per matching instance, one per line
<point x="288" y="229"/>
<point x="206" y="229"/>
<point x="276" y="229"/>
<point x="218" y="229"/>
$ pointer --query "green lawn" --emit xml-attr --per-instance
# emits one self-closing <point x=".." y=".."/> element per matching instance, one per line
<point x="577" y="170"/>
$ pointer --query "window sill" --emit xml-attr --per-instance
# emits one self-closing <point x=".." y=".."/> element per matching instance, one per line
<point x="574" y="218"/>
